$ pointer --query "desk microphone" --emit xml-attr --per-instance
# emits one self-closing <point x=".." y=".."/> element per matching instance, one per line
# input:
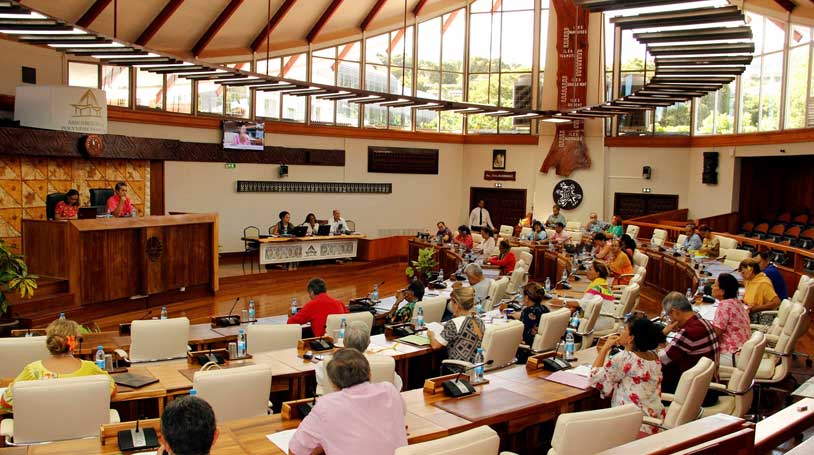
<point x="137" y="438"/>
<point x="228" y="320"/>
<point x="458" y="387"/>
<point x="233" y="307"/>
<point x="305" y="408"/>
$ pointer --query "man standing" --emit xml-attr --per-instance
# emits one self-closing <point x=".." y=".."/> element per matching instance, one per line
<point x="187" y="426"/>
<point x="555" y="217"/>
<point x="317" y="310"/>
<point x="119" y="204"/>
<point x="479" y="218"/>
<point x="338" y="224"/>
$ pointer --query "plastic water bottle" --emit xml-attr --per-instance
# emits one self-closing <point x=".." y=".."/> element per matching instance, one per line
<point x="569" y="344"/>
<point x="100" y="357"/>
<point x="441" y="275"/>
<point x="294" y="306"/>
<point x="550" y="245"/>
<point x="478" y="370"/>
<point x="163" y="312"/>
<point x="547" y="285"/>
<point x="192" y="392"/>
<point x="689" y="294"/>
<point x="241" y="343"/>
<point x="251" y="310"/>
<point x="133" y="213"/>
<point x="574" y="322"/>
<point x="420" y="318"/>
<point x="61" y="316"/>
<point x="342" y="325"/>
<point x="479" y="308"/>
<point x="375" y="294"/>
<point x="564" y="276"/>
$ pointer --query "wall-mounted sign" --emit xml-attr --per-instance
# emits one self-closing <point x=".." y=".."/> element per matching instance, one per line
<point x="568" y="194"/>
<point x="56" y="107"/>
<point x="500" y="175"/>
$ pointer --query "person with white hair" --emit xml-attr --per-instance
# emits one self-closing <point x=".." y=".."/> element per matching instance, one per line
<point x="338" y="224"/>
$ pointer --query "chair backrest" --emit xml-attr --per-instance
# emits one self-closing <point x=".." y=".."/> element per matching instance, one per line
<point x="782" y="315"/>
<point x="351" y="225"/>
<point x="516" y="281"/>
<point x="235" y="393"/>
<point x="506" y="231"/>
<point x="496" y="291"/>
<point x="59" y="409"/>
<point x="270" y="337"/>
<point x="51" y="202"/>
<point x="587" y="321"/>
<point x="630" y="295"/>
<point x="382" y="369"/>
<point x="500" y="342"/>
<point x="335" y="320"/>
<point x="573" y="226"/>
<point x="632" y="231"/>
<point x="251" y="232"/>
<point x="159" y="339"/>
<point x="727" y="242"/>
<point x="738" y="255"/>
<point x="551" y="329"/>
<point x="659" y="236"/>
<point x="476" y="238"/>
<point x="526" y="257"/>
<point x="433" y="309"/>
<point x="689" y="394"/>
<point x="477" y="441"/>
<point x="578" y="433"/>
<point x="681" y="239"/>
<point x="524" y="232"/>
<point x="640" y="259"/>
<point x="806" y="289"/>
<point x="740" y="380"/>
<point x="16" y="353"/>
<point x="793" y="329"/>
<point x="638" y="276"/>
<point x="517" y="250"/>
<point x="99" y="196"/>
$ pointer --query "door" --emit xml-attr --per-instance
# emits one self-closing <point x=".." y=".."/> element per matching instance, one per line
<point x="633" y="205"/>
<point x="506" y="206"/>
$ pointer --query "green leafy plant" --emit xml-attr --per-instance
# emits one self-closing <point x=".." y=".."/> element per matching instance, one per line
<point x="423" y="265"/>
<point x="14" y="277"/>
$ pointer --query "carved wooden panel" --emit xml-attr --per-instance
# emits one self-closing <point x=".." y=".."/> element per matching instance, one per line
<point x="399" y="160"/>
<point x="255" y="186"/>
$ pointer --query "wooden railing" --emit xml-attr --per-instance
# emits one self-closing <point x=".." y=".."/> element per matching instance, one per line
<point x="728" y="222"/>
<point x="661" y="217"/>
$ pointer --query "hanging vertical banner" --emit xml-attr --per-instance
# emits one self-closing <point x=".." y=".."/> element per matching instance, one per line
<point x="569" y="152"/>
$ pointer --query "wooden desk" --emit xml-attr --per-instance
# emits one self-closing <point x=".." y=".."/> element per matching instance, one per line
<point x="282" y="250"/>
<point x="783" y="425"/>
<point x="110" y="259"/>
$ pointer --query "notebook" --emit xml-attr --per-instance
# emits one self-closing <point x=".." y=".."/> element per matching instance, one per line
<point x="134" y="381"/>
<point x="416" y="340"/>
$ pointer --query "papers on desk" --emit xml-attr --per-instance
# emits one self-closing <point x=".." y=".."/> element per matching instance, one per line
<point x="581" y="370"/>
<point x="416" y="340"/>
<point x="435" y="327"/>
<point x="282" y="438"/>
<point x="567" y="377"/>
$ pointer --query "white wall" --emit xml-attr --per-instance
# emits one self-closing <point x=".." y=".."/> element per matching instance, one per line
<point x="47" y="62"/>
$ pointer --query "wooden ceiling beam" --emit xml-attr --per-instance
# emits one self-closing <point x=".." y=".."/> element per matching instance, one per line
<point x="93" y="12"/>
<point x="215" y="27"/>
<point x="418" y="7"/>
<point x="372" y="14"/>
<point x="159" y="21"/>
<point x="323" y="20"/>
<point x="787" y="5"/>
<point x="272" y="24"/>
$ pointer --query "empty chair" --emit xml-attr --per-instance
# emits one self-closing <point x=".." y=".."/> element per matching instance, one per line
<point x="477" y="441"/>
<point x="627" y="303"/>
<point x="681" y="239"/>
<point x="734" y="257"/>
<point x="685" y="403"/>
<point x="99" y="196"/>
<point x="579" y="433"/>
<point x="632" y="231"/>
<point x="251" y="247"/>
<point x="496" y="292"/>
<point x="159" y="339"/>
<point x="806" y="239"/>
<point x="776" y="363"/>
<point x="506" y="231"/>
<point x="16" y="353"/>
<point x="235" y="393"/>
<point x="747" y="228"/>
<point x="476" y="238"/>
<point x="805" y="288"/>
<point x="59" y="409"/>
<point x="270" y="337"/>
<point x="727" y="242"/>
<point x="659" y="237"/>
<point x="738" y="389"/>
<point x="517" y="280"/>
<point x="776" y="232"/>
<point x="433" y="309"/>
<point x="640" y="259"/>
<point x="335" y="320"/>
<point x="588" y="321"/>
<point x="800" y="220"/>
<point x="526" y="257"/>
<point x="525" y="232"/>
<point x="792" y="235"/>
<point x="517" y="250"/>
<point x="500" y="343"/>
<point x="550" y="330"/>
<point x="784" y="218"/>
<point x="761" y="230"/>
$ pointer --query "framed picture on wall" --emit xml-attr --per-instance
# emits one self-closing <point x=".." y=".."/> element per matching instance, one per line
<point x="498" y="159"/>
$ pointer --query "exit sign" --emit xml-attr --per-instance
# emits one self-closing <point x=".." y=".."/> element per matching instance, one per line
<point x="231" y="165"/>
<point x="647" y="190"/>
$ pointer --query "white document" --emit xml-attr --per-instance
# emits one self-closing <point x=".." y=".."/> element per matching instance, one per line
<point x="282" y="438"/>
<point x="435" y="327"/>
<point x="582" y="370"/>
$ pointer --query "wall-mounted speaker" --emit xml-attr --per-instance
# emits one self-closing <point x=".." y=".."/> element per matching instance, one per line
<point x="29" y="75"/>
<point x="647" y="172"/>
<point x="283" y="170"/>
<point x="709" y="175"/>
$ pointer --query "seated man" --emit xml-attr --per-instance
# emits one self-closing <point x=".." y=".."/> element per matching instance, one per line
<point x="594" y="225"/>
<point x="768" y="268"/>
<point x="361" y="418"/>
<point x="338" y="224"/>
<point x="119" y="204"/>
<point x="555" y="217"/>
<point x="693" y="241"/>
<point x="560" y="236"/>
<point x="695" y="338"/>
<point x="187" y="427"/>
<point x="284" y="226"/>
<point x="317" y="310"/>
<point x="481" y="284"/>
<point x="443" y="234"/>
<point x="404" y="313"/>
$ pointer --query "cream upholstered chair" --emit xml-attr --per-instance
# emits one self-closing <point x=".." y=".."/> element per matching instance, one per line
<point x="773" y="331"/>
<point x="681" y="239"/>
<point x="659" y="237"/>
<point x="59" y="409"/>
<point x="517" y="280"/>
<point x="476" y="238"/>
<point x="738" y="388"/>
<point x="640" y="260"/>
<point x="727" y="242"/>
<point x="500" y="342"/>
<point x="574" y="228"/>
<point x="580" y="433"/>
<point x="804" y="295"/>
<point x="477" y="441"/>
<point x="16" y="353"/>
<point x="159" y="339"/>
<point x="235" y="393"/>
<point x="382" y="369"/>
<point x="506" y="231"/>
<point x="525" y="232"/>
<point x="526" y="257"/>
<point x="627" y="303"/>
<point x="632" y="231"/>
<point x="685" y="403"/>
<point x="734" y="257"/>
<point x="776" y="363"/>
<point x="335" y="320"/>
<point x="550" y="330"/>
<point x="518" y="250"/>
<point x="587" y="322"/>
<point x="270" y="337"/>
<point x="496" y="292"/>
<point x="433" y="309"/>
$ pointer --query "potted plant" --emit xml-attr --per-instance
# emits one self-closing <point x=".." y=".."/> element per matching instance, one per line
<point x="423" y="266"/>
<point x="14" y="277"/>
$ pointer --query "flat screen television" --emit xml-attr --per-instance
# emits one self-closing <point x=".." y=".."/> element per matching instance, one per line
<point x="242" y="135"/>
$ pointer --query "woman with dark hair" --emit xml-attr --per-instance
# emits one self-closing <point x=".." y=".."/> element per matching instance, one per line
<point x="598" y="273"/>
<point x="615" y="228"/>
<point x="537" y="234"/>
<point x="464" y="237"/>
<point x="533" y="295"/>
<point x="628" y="245"/>
<point x="487" y="245"/>
<point x="633" y="375"/>
<point x="506" y="259"/>
<point x="284" y="226"/>
<point x="731" y="322"/>
<point x="68" y="208"/>
<point x="620" y="264"/>
<point x="602" y="247"/>
<point x="760" y="294"/>
<point x="311" y="223"/>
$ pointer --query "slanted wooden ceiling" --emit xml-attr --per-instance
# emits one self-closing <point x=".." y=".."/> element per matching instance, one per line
<point x="220" y="29"/>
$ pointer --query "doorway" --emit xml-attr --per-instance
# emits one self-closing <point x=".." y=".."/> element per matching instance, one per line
<point x="506" y="206"/>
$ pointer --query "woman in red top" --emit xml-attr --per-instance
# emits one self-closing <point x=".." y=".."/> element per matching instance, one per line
<point x="464" y="238"/>
<point x="68" y="208"/>
<point x="506" y="260"/>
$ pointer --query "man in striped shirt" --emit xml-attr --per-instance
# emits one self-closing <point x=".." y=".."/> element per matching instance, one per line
<point x="694" y="338"/>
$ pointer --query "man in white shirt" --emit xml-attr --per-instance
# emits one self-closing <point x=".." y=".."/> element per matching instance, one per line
<point x="338" y="224"/>
<point x="474" y="273"/>
<point x="479" y="218"/>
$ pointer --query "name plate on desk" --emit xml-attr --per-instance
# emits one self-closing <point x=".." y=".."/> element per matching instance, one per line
<point x="314" y="250"/>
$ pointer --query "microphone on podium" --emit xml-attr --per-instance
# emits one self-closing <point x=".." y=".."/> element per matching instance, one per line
<point x="226" y="321"/>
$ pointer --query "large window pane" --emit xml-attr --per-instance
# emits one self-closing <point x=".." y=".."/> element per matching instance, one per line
<point x="179" y="94"/>
<point x="797" y="87"/>
<point x="83" y="74"/>
<point x="116" y="84"/>
<point x="210" y="98"/>
<point x="452" y="43"/>
<point x="750" y="97"/>
<point x="267" y="104"/>
<point x="237" y="101"/>
<point x="429" y="44"/>
<point x="771" y="83"/>
<point x="149" y="89"/>
<point x="376" y="49"/>
<point x="673" y="119"/>
<point x="517" y="41"/>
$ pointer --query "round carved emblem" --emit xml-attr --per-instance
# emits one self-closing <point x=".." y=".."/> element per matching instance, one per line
<point x="154" y="248"/>
<point x="93" y="145"/>
<point x="568" y="194"/>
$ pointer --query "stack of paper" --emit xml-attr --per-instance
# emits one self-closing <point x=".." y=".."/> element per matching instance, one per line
<point x="282" y="438"/>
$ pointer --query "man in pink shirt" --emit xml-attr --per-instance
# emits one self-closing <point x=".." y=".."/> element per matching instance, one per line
<point x="560" y="235"/>
<point x="119" y="204"/>
<point x="361" y="418"/>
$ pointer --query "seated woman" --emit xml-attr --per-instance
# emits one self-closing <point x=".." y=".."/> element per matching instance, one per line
<point x="634" y="374"/>
<point x="464" y="237"/>
<point x="628" y="246"/>
<point x="463" y="333"/>
<point x="537" y="234"/>
<point x="760" y="295"/>
<point x="487" y="245"/>
<point x="443" y="234"/>
<point x="615" y="228"/>
<point x="602" y="248"/>
<point x="311" y="223"/>
<point x="731" y="322"/>
<point x="284" y="226"/>
<point x="68" y="208"/>
<point x="533" y="295"/>
<point x="506" y="259"/>
<point x="598" y="274"/>
<point x="710" y="245"/>
<point x="560" y="236"/>
<point x="61" y="340"/>
<point x="411" y="295"/>
<point x="620" y="265"/>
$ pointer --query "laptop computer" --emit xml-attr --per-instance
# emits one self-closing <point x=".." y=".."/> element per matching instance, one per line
<point x="324" y="229"/>
<point x="300" y="231"/>
<point x="87" y="213"/>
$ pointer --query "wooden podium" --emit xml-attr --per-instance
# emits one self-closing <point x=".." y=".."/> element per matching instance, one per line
<point x="109" y="259"/>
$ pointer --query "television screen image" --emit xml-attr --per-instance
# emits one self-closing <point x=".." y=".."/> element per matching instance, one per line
<point x="243" y="135"/>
